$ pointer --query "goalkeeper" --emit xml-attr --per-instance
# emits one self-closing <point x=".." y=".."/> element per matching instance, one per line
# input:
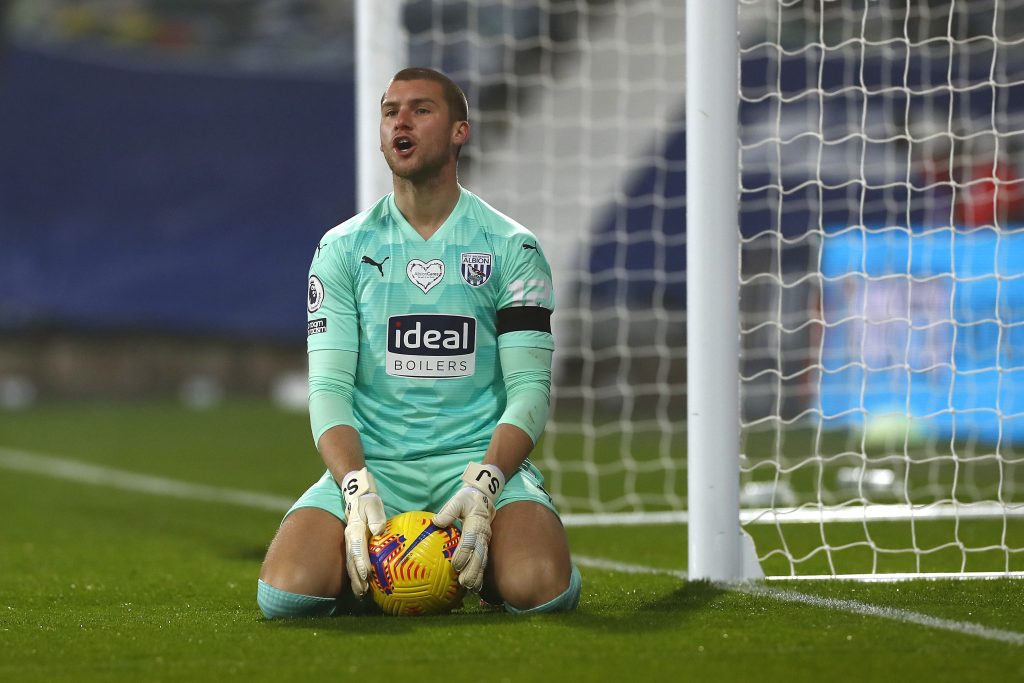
<point x="430" y="346"/>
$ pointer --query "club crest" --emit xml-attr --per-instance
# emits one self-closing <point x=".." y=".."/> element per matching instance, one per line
<point x="425" y="275"/>
<point x="475" y="268"/>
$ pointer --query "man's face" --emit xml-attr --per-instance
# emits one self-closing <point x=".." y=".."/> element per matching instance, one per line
<point x="416" y="136"/>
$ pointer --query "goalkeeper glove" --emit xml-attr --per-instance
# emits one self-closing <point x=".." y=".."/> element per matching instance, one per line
<point x="364" y="511"/>
<point x="474" y="505"/>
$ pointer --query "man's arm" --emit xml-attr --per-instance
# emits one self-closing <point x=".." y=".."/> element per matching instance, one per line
<point x="509" y="447"/>
<point x="523" y="307"/>
<point x="527" y="376"/>
<point x="331" y="379"/>
<point x="341" y="450"/>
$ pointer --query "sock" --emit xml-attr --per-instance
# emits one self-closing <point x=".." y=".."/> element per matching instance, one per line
<point x="276" y="603"/>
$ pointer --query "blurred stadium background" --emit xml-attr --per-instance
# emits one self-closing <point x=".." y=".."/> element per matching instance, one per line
<point x="167" y="164"/>
<point x="167" y="167"/>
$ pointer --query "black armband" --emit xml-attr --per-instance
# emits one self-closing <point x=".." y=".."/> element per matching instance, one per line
<point x="524" y="318"/>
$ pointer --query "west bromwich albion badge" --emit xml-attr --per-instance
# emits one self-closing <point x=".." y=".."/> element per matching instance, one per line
<point x="475" y="268"/>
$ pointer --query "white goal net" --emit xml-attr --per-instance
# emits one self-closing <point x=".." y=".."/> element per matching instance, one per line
<point x="882" y="284"/>
<point x="881" y="233"/>
<point x="577" y="113"/>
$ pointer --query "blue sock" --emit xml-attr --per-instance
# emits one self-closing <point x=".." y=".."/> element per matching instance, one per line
<point x="276" y="603"/>
<point x="565" y="602"/>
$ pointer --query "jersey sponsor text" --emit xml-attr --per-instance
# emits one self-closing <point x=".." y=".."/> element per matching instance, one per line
<point x="431" y="346"/>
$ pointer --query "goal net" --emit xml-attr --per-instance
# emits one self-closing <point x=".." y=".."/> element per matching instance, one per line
<point x="882" y="285"/>
<point x="881" y="277"/>
<point x="577" y="114"/>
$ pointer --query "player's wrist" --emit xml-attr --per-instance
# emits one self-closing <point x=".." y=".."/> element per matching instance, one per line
<point x="357" y="483"/>
<point x="488" y="479"/>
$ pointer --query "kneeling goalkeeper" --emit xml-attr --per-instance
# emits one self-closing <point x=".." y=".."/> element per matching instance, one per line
<point x="430" y="347"/>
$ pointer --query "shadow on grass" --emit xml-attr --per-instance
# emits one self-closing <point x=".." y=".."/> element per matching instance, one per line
<point x="365" y="618"/>
<point x="646" y="611"/>
<point x="614" y="610"/>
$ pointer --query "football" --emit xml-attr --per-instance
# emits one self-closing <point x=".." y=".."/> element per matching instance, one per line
<point x="412" y="566"/>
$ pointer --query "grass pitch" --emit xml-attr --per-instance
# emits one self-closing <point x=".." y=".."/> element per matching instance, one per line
<point x="109" y="584"/>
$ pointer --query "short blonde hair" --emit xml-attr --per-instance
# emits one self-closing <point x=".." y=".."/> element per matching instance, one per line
<point x="454" y="97"/>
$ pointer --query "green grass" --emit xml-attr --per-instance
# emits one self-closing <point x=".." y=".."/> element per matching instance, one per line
<point x="100" y="584"/>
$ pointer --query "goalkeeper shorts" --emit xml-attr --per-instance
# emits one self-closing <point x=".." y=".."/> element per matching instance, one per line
<point x="424" y="484"/>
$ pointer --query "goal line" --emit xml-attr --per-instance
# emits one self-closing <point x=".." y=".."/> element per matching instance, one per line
<point x="808" y="514"/>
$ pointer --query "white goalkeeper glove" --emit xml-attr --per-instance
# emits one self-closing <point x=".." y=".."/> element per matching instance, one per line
<point x="474" y="505"/>
<point x="364" y="511"/>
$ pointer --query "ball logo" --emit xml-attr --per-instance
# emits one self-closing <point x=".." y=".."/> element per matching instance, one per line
<point x="431" y="346"/>
<point x="315" y="294"/>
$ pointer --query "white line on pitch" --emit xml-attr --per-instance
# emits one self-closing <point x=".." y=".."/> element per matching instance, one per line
<point x="99" y="475"/>
<point x="854" y="606"/>
<point x="857" y="607"/>
<point x="75" y="470"/>
<point x="623" y="568"/>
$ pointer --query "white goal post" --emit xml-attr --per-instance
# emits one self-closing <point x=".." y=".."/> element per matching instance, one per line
<point x="788" y="246"/>
<point x="715" y="547"/>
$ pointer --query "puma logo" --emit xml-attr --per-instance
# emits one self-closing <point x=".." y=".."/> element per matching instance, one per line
<point x="529" y="246"/>
<point x="378" y="266"/>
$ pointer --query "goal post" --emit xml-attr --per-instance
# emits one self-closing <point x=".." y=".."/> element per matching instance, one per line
<point x="379" y="54"/>
<point x="715" y="544"/>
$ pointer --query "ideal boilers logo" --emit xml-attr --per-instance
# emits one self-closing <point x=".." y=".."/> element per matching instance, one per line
<point x="431" y="346"/>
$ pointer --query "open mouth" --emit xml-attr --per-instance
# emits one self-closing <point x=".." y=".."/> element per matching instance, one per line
<point x="403" y="145"/>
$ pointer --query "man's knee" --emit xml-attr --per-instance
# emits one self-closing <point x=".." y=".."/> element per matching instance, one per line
<point x="305" y="578"/>
<point x="531" y="566"/>
<point x="553" y="596"/>
<point x="304" y="567"/>
<point x="535" y="582"/>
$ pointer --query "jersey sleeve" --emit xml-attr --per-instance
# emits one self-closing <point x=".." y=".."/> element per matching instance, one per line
<point x="332" y="317"/>
<point x="526" y="298"/>
<point x="527" y="376"/>
<point x="331" y="379"/>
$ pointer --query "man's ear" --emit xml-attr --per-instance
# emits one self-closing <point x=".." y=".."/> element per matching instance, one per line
<point x="460" y="132"/>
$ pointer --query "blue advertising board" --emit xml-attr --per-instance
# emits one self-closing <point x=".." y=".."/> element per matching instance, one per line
<point x="166" y="200"/>
<point x="925" y="327"/>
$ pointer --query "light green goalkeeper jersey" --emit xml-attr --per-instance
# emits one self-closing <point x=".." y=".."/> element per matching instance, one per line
<point x="426" y="318"/>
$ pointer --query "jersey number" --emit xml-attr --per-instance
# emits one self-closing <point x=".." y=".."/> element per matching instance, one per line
<point x="530" y="292"/>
